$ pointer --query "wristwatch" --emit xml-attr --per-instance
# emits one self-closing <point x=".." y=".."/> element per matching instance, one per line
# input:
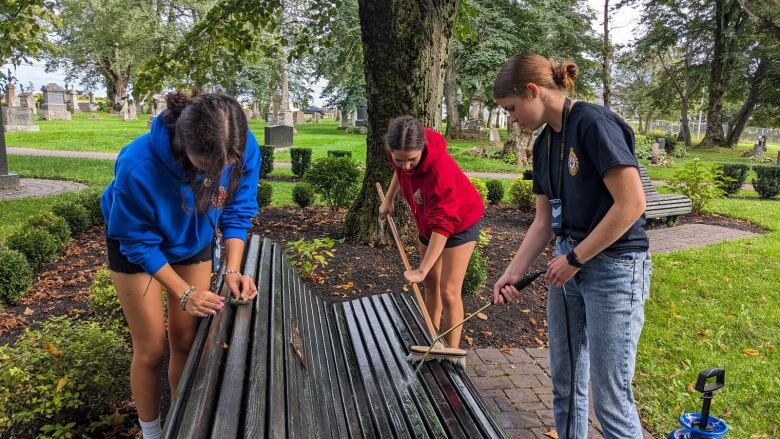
<point x="572" y="259"/>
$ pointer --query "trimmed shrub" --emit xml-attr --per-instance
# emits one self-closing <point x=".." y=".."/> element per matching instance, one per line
<point x="16" y="276"/>
<point x="339" y="153"/>
<point x="37" y="245"/>
<point x="736" y="174"/>
<point x="335" y="179"/>
<point x="62" y="374"/>
<point x="699" y="182"/>
<point x="267" y="154"/>
<point x="768" y="182"/>
<point x="55" y="225"/>
<point x="495" y="191"/>
<point x="265" y="194"/>
<point x="301" y="160"/>
<point x="521" y="194"/>
<point x="481" y="187"/>
<point x="104" y="303"/>
<point x="303" y="195"/>
<point x="476" y="272"/>
<point x="75" y="214"/>
<point x="91" y="200"/>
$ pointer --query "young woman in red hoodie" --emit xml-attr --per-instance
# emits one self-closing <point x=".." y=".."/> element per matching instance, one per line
<point x="447" y="209"/>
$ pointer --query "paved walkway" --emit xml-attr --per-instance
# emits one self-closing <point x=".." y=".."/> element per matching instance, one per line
<point x="16" y="150"/>
<point x="691" y="236"/>
<point x="34" y="187"/>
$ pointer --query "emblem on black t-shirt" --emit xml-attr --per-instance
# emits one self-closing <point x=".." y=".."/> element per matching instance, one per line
<point x="574" y="162"/>
<point x="418" y="198"/>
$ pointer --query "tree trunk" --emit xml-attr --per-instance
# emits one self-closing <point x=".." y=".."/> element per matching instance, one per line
<point x="648" y="120"/>
<point x="451" y="97"/>
<point x="729" y="18"/>
<point x="606" y="53"/>
<point x="738" y="124"/>
<point x="685" y="130"/>
<point x="405" y="47"/>
<point x="520" y="143"/>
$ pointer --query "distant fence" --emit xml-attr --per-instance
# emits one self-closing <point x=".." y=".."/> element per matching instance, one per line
<point x="750" y="134"/>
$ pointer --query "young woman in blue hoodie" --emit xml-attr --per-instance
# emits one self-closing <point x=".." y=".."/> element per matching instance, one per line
<point x="196" y="171"/>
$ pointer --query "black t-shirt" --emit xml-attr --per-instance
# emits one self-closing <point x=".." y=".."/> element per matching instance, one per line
<point x="596" y="140"/>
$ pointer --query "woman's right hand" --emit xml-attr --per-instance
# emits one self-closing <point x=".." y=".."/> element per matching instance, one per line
<point x="504" y="287"/>
<point x="203" y="303"/>
<point x="386" y="209"/>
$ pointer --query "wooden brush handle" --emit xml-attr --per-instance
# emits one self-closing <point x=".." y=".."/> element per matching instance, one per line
<point x="399" y="244"/>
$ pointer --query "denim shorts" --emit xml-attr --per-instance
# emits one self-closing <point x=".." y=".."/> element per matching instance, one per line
<point x="468" y="235"/>
<point x="119" y="263"/>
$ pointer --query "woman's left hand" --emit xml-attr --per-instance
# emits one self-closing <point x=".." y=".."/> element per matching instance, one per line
<point x="559" y="271"/>
<point x="414" y="276"/>
<point x="242" y="287"/>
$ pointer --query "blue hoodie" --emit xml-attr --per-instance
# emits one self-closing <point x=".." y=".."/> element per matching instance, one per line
<point x="150" y="208"/>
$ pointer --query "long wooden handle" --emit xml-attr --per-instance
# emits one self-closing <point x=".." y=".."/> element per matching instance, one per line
<point x="417" y="293"/>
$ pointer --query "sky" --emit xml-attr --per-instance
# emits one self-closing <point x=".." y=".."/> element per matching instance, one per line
<point x="623" y="25"/>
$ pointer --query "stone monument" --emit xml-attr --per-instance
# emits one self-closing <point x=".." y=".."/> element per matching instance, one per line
<point x="53" y="106"/>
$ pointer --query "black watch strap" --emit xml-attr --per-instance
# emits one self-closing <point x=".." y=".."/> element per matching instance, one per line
<point x="571" y="257"/>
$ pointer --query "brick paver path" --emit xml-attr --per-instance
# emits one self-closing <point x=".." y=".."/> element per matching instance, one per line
<point x="32" y="187"/>
<point x="691" y="236"/>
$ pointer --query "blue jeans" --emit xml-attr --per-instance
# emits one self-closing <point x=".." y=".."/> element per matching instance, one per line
<point x="606" y="312"/>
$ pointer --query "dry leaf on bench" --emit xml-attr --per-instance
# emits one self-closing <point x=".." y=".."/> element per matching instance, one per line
<point x="552" y="433"/>
<point x="469" y="340"/>
<point x="28" y="311"/>
<point x="481" y="316"/>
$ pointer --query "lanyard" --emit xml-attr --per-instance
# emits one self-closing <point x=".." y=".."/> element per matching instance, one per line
<point x="564" y="117"/>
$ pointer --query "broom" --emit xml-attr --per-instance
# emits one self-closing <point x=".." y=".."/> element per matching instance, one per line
<point x="437" y="349"/>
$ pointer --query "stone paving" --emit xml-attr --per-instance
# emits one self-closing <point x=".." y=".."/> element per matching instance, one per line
<point x="691" y="236"/>
<point x="34" y="187"/>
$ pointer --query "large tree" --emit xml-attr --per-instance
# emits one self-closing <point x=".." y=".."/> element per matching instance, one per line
<point x="405" y="49"/>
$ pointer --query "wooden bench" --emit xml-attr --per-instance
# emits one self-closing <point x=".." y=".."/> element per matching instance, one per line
<point x="666" y="206"/>
<point x="243" y="377"/>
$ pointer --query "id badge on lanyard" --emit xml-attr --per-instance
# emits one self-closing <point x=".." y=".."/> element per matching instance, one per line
<point x="216" y="253"/>
<point x="556" y="206"/>
<point x="556" y="203"/>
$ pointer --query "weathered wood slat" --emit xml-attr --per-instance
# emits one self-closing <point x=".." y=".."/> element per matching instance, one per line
<point x="255" y="409"/>
<point x="278" y="353"/>
<point x="333" y="398"/>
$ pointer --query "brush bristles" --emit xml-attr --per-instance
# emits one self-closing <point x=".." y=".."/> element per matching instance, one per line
<point x="415" y="358"/>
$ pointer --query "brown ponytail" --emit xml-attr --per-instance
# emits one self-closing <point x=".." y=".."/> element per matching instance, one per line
<point x="405" y="133"/>
<point x="521" y="70"/>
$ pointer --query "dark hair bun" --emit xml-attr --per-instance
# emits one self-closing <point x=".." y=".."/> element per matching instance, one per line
<point x="564" y="74"/>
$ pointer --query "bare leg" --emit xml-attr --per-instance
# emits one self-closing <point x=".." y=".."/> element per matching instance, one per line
<point x="454" y="261"/>
<point x="432" y="290"/>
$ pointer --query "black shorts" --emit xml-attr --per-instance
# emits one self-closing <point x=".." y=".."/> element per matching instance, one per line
<point x="468" y="235"/>
<point x="119" y="263"/>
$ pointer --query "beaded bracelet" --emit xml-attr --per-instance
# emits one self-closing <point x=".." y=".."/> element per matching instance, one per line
<point x="185" y="297"/>
<point x="233" y="272"/>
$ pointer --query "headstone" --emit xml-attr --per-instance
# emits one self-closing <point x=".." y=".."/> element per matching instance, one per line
<point x="758" y="148"/>
<point x="661" y="143"/>
<point x="361" y="119"/>
<point x="139" y="108"/>
<point x="18" y="119"/>
<point x="53" y="106"/>
<point x="92" y="105"/>
<point x="656" y="151"/>
<point x="280" y="136"/>
<point x="285" y="116"/>
<point x="72" y="101"/>
<point x="127" y="111"/>
<point x="338" y="115"/>
<point x="300" y="118"/>
<point x="27" y="100"/>
<point x="317" y="117"/>
<point x="495" y="137"/>
<point x="256" y="114"/>
<point x="11" y="100"/>
<point x="474" y="129"/>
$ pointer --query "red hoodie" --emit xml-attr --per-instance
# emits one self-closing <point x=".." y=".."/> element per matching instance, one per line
<point x="441" y="197"/>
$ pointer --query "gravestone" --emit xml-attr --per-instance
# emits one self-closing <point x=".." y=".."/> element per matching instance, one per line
<point x="11" y="100"/>
<point x="495" y="137"/>
<point x="279" y="136"/>
<point x="778" y="158"/>
<point x="656" y="151"/>
<point x="72" y="101"/>
<point x="256" y="114"/>
<point x="338" y="115"/>
<point x="18" y="119"/>
<point x="662" y="143"/>
<point x="474" y="129"/>
<point x="127" y="110"/>
<point x="27" y="100"/>
<point x="361" y="120"/>
<point x="316" y="117"/>
<point x="300" y="118"/>
<point x="92" y="105"/>
<point x="53" y="106"/>
<point x="139" y="109"/>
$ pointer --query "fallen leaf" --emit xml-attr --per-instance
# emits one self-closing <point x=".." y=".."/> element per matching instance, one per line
<point x="487" y="333"/>
<point x="28" y="311"/>
<point x="225" y="345"/>
<point x="405" y="288"/>
<point x="758" y="435"/>
<point x="469" y="340"/>
<point x="61" y="383"/>
<point x="481" y="316"/>
<point x="769" y="345"/>
<point x="53" y="351"/>
<point x="525" y="311"/>
<point x="552" y="433"/>
<point x="506" y="349"/>
<point x="346" y="286"/>
<point x="751" y="352"/>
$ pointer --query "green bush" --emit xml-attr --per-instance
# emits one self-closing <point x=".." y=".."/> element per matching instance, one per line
<point x="495" y="191"/>
<point x="301" y="160"/>
<point x="16" y="276"/>
<point x="310" y="256"/>
<point x="66" y="372"/>
<point x="265" y="194"/>
<point x="643" y="147"/>
<point x="699" y="182"/>
<point x="267" y="154"/>
<point x="104" y="303"/>
<point x="55" y="225"/>
<point x="303" y="195"/>
<point x="75" y="214"/>
<point x="37" y="245"/>
<point x="335" y="179"/>
<point x="521" y="194"/>
<point x="768" y="182"/>
<point x="91" y="201"/>
<point x="481" y="187"/>
<point x="736" y="174"/>
<point x="339" y="153"/>
<point x="476" y="272"/>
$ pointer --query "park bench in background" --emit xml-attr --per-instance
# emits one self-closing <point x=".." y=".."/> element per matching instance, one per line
<point x="666" y="206"/>
<point x="293" y="365"/>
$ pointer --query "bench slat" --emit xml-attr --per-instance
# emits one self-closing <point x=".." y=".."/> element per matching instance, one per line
<point x="278" y="353"/>
<point x="332" y="373"/>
